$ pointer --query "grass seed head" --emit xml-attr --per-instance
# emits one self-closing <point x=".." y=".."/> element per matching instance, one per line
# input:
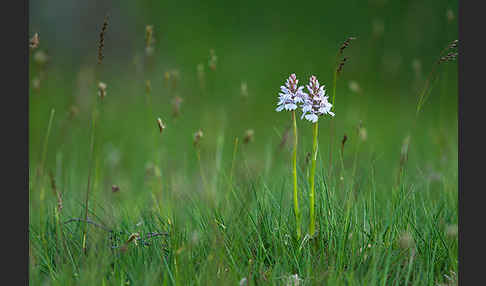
<point x="448" y="58"/>
<point x="248" y="136"/>
<point x="363" y="135"/>
<point x="161" y="125"/>
<point x="115" y="188"/>
<point x="404" y="150"/>
<point x="56" y="193"/>
<point x="167" y="78"/>
<point x="197" y="137"/>
<point x="417" y="67"/>
<point x="149" y="39"/>
<point x="346" y="44"/>
<point x="341" y="65"/>
<point x="101" y="42"/>
<point x="454" y="44"/>
<point x="361" y="131"/>
<point x="148" y="86"/>
<point x="175" y="75"/>
<point x="73" y="111"/>
<point x="307" y="158"/>
<point x="149" y="169"/>
<point x="450" y="15"/>
<point x="41" y="58"/>
<point x="354" y="86"/>
<point x="36" y="83"/>
<point x="176" y="106"/>
<point x="345" y="138"/>
<point x="451" y="52"/>
<point x="244" y="89"/>
<point x="213" y="60"/>
<point x="102" y="89"/>
<point x="133" y="238"/>
<point x="34" y="41"/>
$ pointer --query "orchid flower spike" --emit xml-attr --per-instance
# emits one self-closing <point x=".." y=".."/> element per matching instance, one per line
<point x="315" y="103"/>
<point x="290" y="94"/>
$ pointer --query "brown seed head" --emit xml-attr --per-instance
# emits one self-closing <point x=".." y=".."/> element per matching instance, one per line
<point x="197" y="137"/>
<point x="115" y="188"/>
<point x="341" y="64"/>
<point x="248" y="136"/>
<point x="307" y="158"/>
<point x="346" y="43"/>
<point x="101" y="42"/>
<point x="345" y="138"/>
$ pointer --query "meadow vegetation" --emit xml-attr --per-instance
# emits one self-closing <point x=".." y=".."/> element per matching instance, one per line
<point x="158" y="173"/>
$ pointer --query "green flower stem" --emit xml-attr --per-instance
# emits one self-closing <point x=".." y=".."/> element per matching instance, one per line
<point x="312" y="227"/>
<point x="294" y="172"/>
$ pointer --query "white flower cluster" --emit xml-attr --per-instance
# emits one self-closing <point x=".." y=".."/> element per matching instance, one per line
<point x="316" y="103"/>
<point x="291" y="95"/>
<point x="313" y="105"/>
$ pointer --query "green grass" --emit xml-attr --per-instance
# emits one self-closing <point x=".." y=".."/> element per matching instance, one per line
<point x="247" y="229"/>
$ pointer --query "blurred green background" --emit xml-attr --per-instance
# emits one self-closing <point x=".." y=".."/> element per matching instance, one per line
<point x="258" y="43"/>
